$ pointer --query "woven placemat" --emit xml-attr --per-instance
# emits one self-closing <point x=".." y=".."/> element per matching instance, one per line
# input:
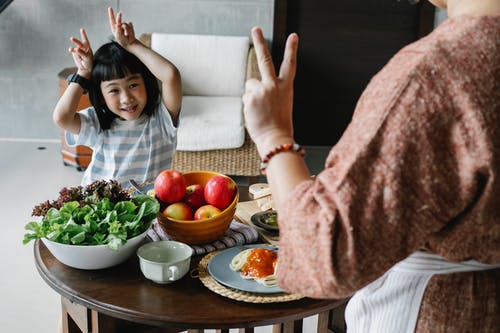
<point x="238" y="295"/>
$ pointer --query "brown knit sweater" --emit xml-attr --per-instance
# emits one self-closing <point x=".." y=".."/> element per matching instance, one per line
<point x="417" y="168"/>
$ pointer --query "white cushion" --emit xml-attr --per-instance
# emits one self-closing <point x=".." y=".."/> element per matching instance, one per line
<point x="210" y="65"/>
<point x="208" y="123"/>
<point x="213" y="71"/>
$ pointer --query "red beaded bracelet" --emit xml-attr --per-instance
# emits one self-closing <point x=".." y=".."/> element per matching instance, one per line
<point x="286" y="147"/>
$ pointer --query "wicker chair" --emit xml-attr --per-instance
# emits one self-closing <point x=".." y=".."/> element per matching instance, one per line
<point x="241" y="161"/>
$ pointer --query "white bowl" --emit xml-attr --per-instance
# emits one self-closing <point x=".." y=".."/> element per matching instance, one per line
<point x="93" y="256"/>
<point x="164" y="261"/>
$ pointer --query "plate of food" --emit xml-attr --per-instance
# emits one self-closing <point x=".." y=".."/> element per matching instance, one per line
<point x="267" y="220"/>
<point x="247" y="268"/>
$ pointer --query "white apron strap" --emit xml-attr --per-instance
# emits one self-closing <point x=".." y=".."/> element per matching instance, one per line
<point x="392" y="302"/>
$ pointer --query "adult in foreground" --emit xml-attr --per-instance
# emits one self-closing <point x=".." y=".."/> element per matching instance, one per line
<point x="405" y="216"/>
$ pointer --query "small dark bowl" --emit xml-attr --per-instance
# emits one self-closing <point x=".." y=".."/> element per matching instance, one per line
<point x="259" y="220"/>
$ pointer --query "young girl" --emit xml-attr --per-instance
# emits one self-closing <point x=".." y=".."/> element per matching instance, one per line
<point x="132" y="128"/>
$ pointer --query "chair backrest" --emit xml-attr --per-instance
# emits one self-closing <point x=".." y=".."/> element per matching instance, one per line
<point x="210" y="65"/>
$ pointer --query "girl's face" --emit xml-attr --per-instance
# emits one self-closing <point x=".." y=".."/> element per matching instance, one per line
<point x="125" y="97"/>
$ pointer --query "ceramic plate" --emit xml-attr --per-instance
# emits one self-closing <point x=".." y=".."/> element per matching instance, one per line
<point x="259" y="220"/>
<point x="219" y="269"/>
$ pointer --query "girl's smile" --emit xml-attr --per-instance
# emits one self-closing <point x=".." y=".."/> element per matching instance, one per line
<point x="125" y="97"/>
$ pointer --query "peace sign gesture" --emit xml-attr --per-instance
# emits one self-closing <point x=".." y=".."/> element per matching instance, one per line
<point x="123" y="32"/>
<point x="268" y="103"/>
<point x="82" y="54"/>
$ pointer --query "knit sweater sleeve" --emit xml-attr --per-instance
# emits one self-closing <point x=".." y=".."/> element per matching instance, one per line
<point x="411" y="163"/>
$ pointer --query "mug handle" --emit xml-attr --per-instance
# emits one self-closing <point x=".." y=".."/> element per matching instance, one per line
<point x="174" y="272"/>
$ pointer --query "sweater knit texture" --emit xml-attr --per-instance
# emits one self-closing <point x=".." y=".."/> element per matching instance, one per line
<point x="418" y="168"/>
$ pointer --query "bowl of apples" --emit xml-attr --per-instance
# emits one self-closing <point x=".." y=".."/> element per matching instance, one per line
<point x="196" y="207"/>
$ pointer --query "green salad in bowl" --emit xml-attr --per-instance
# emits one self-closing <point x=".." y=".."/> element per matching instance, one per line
<point x="93" y="227"/>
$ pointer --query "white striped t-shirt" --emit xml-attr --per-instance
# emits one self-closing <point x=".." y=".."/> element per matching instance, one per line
<point x="134" y="149"/>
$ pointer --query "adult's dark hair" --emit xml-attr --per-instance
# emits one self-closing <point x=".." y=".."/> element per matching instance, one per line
<point x="111" y="61"/>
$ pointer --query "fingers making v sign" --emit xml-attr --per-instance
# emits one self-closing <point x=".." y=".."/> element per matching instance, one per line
<point x="268" y="102"/>
<point x="82" y="54"/>
<point x="122" y="31"/>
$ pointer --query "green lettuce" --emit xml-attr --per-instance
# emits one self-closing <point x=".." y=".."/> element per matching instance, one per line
<point x="98" y="223"/>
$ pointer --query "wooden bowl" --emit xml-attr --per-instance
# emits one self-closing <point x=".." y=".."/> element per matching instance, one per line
<point x="199" y="231"/>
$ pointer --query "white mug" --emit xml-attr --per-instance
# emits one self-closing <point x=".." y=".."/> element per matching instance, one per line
<point x="164" y="261"/>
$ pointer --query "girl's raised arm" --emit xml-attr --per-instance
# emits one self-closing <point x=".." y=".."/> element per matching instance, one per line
<point x="65" y="115"/>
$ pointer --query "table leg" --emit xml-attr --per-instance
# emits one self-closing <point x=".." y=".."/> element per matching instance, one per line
<point x="75" y="317"/>
<point x="102" y="323"/>
<point x="288" y="327"/>
<point x="323" y="321"/>
<point x="337" y="319"/>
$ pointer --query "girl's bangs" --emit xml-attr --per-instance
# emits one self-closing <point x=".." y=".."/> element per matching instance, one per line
<point x="110" y="71"/>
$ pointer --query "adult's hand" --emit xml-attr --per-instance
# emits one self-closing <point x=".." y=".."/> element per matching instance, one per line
<point x="268" y="102"/>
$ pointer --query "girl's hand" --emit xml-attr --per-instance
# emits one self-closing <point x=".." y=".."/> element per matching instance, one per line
<point x="82" y="54"/>
<point x="268" y="103"/>
<point x="123" y="32"/>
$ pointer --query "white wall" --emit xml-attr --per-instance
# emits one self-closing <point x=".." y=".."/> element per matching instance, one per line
<point x="34" y="38"/>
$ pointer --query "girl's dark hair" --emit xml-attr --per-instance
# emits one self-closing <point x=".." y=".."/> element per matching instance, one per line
<point x="111" y="61"/>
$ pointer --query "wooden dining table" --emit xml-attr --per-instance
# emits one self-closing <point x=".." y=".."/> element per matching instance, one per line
<point x="121" y="299"/>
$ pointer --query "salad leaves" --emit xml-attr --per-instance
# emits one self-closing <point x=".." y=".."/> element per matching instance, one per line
<point x="91" y="193"/>
<point x="97" y="222"/>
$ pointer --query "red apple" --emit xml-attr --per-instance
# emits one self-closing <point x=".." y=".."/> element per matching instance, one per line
<point x="179" y="211"/>
<point x="206" y="211"/>
<point x="170" y="186"/>
<point x="219" y="191"/>
<point x="194" y="196"/>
